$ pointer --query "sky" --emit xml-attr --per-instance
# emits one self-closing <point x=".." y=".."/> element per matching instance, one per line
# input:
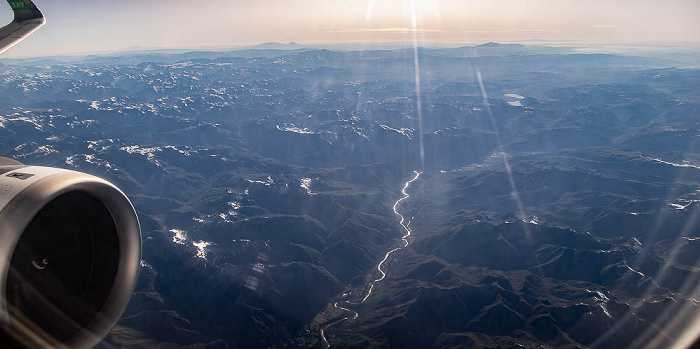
<point x="99" y="26"/>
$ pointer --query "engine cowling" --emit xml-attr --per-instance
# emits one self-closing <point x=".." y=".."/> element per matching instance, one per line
<point x="69" y="258"/>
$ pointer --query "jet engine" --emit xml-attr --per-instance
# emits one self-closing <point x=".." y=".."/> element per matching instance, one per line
<point x="70" y="249"/>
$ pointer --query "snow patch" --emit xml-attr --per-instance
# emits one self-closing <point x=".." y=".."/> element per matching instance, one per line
<point x="404" y="131"/>
<point x="637" y="245"/>
<point x="306" y="184"/>
<point x="268" y="182"/>
<point x="295" y="129"/>
<point x="679" y="206"/>
<point x="202" y="248"/>
<point x="534" y="220"/>
<point x="179" y="236"/>
<point x="675" y="164"/>
<point x="602" y="301"/>
<point x="514" y="99"/>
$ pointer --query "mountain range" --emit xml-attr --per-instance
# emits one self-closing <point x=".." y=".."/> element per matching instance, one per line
<point x="557" y="204"/>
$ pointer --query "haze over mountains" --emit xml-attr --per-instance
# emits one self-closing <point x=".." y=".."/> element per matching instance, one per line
<point x="558" y="204"/>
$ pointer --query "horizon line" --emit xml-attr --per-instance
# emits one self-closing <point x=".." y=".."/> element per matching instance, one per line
<point x="319" y="45"/>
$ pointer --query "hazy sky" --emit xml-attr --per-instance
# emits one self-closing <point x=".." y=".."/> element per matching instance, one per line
<point x="82" y="26"/>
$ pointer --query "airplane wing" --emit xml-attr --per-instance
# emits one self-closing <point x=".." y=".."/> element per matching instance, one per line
<point x="27" y="19"/>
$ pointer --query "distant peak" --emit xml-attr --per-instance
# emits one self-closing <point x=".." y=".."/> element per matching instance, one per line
<point x="279" y="45"/>
<point x="495" y="44"/>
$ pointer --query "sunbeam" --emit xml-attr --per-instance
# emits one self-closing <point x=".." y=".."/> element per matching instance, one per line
<point x="502" y="153"/>
<point x="419" y="103"/>
<point x="370" y="8"/>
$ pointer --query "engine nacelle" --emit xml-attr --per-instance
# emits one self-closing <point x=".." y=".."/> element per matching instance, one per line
<point x="70" y="252"/>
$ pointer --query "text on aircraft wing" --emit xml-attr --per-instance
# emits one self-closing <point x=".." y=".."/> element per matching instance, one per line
<point x="27" y="19"/>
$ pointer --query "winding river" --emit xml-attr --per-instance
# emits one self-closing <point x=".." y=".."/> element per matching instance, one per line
<point x="353" y="314"/>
